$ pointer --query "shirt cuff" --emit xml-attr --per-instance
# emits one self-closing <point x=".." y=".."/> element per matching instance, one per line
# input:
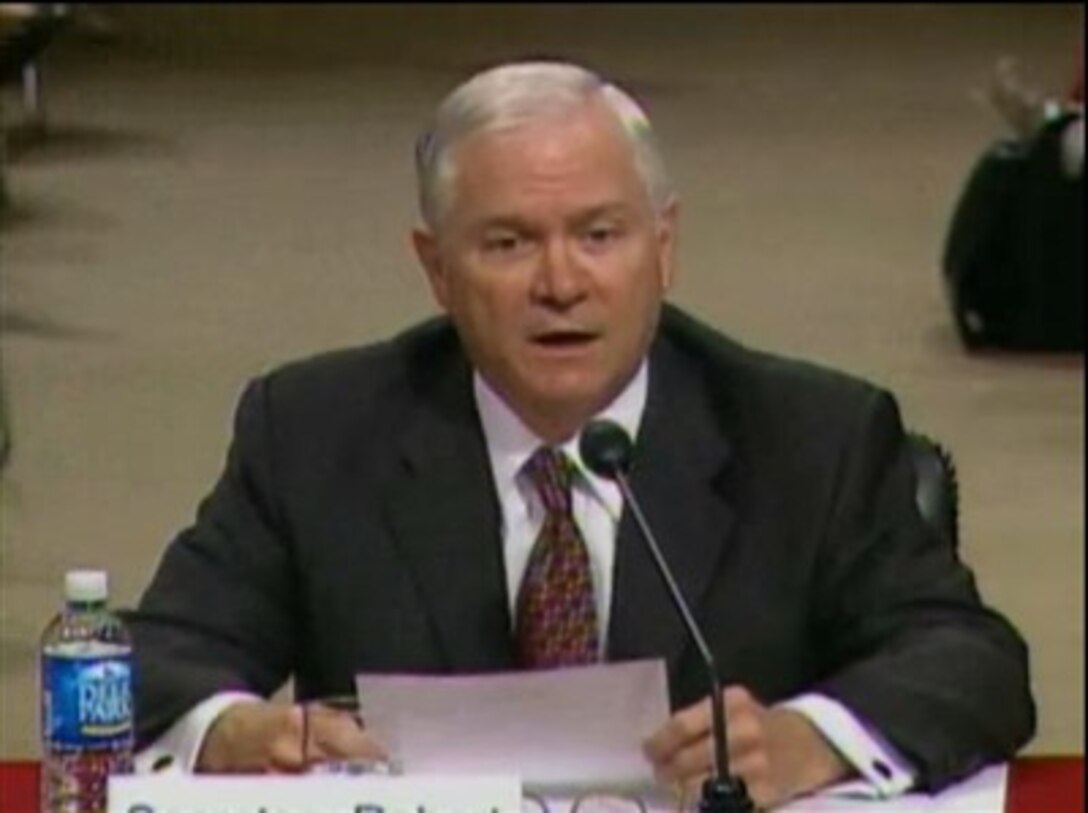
<point x="177" y="750"/>
<point x="884" y="771"/>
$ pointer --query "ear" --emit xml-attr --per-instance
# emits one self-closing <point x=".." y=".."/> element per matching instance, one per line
<point x="667" y="223"/>
<point x="429" y="255"/>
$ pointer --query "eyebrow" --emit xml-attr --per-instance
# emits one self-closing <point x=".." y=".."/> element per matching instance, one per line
<point x="517" y="223"/>
<point x="499" y="222"/>
<point x="604" y="210"/>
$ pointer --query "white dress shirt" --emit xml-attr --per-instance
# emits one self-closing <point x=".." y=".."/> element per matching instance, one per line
<point x="596" y="505"/>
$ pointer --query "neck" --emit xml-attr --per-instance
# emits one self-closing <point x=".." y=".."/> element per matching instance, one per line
<point x="553" y="429"/>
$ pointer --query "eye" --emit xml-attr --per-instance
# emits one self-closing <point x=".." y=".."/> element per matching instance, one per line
<point x="601" y="234"/>
<point x="502" y="243"/>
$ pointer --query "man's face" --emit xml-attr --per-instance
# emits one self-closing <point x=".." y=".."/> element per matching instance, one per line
<point x="552" y="263"/>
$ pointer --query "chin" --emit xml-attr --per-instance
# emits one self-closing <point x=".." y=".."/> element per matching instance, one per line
<point x="583" y="402"/>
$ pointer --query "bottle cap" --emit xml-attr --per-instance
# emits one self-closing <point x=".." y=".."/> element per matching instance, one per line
<point x="86" y="586"/>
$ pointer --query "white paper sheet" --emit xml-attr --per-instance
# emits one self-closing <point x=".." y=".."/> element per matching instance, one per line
<point x="565" y="728"/>
<point x="982" y="793"/>
<point x="569" y="730"/>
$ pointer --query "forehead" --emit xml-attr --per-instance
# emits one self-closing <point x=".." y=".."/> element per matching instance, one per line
<point x="577" y="159"/>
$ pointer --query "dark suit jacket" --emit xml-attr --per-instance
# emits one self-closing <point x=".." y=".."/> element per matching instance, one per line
<point x="356" y="528"/>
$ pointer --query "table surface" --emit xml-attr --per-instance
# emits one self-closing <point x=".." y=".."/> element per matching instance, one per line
<point x="1043" y="784"/>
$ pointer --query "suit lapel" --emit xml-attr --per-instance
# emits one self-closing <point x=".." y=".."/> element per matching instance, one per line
<point x="445" y="516"/>
<point x="443" y="510"/>
<point x="680" y="456"/>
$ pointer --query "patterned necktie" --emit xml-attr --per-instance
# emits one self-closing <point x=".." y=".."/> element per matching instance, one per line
<point x="556" y="612"/>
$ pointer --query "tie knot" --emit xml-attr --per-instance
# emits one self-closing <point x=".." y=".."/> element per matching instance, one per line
<point x="551" y="472"/>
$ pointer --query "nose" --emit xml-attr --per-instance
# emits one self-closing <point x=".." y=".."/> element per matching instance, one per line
<point x="559" y="282"/>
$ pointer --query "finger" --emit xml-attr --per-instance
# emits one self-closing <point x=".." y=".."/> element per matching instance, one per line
<point x="745" y="733"/>
<point x="737" y="700"/>
<point x="688" y="762"/>
<point x="695" y="722"/>
<point x="688" y="791"/>
<point x="679" y="731"/>
<point x="340" y="736"/>
<point x="287" y="747"/>
<point x="745" y="749"/>
<point x="746" y="718"/>
<point x="698" y="759"/>
<point x="754" y="769"/>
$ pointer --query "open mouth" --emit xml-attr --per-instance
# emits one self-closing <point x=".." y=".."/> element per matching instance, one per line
<point x="560" y="339"/>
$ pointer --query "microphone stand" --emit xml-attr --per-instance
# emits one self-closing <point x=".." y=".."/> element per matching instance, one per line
<point x="722" y="793"/>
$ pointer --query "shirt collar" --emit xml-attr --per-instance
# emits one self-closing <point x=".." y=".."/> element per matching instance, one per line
<point x="510" y="442"/>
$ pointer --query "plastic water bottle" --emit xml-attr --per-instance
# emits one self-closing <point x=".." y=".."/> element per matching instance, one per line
<point x="86" y="696"/>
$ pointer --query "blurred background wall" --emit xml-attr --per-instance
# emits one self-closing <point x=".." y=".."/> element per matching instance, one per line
<point x="220" y="188"/>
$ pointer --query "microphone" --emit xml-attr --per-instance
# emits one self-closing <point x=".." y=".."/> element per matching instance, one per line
<point x="606" y="449"/>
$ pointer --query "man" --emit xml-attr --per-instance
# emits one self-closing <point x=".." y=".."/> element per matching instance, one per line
<point x="381" y="507"/>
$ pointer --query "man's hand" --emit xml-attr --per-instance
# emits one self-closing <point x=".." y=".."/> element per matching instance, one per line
<point x="259" y="737"/>
<point x="777" y="752"/>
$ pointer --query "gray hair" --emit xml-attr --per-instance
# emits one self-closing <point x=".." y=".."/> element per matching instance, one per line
<point x="513" y="94"/>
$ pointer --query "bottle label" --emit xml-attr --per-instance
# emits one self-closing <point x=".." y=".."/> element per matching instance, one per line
<point x="88" y="702"/>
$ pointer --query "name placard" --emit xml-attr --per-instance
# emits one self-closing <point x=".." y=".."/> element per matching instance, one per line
<point x="180" y="793"/>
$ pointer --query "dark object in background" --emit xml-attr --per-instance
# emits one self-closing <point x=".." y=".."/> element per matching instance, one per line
<point x="1013" y="260"/>
<point x="25" y="31"/>
<point x="24" y="41"/>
